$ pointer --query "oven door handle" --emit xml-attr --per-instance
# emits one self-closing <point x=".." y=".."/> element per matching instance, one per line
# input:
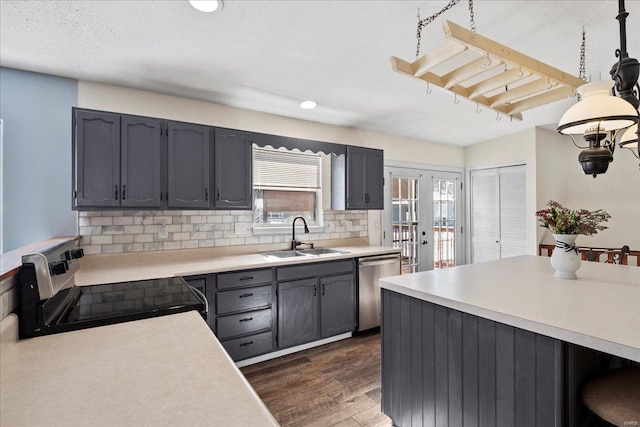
<point x="204" y="300"/>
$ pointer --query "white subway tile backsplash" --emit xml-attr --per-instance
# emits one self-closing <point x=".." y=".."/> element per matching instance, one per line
<point x="101" y="240"/>
<point x="137" y="231"/>
<point x="99" y="220"/>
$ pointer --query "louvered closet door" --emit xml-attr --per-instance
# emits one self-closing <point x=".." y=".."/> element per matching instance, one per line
<point x="485" y="235"/>
<point x="513" y="211"/>
<point x="498" y="213"/>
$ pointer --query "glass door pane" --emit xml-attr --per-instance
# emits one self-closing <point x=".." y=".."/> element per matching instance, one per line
<point x="445" y="222"/>
<point x="404" y="225"/>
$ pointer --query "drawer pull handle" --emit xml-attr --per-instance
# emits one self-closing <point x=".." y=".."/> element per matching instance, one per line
<point x="244" y="344"/>
<point x="246" y="319"/>
<point x="247" y="278"/>
<point x="246" y="295"/>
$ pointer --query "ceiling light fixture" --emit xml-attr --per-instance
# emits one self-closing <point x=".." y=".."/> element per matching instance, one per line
<point x="207" y="5"/>
<point x="308" y="105"/>
<point x="600" y="111"/>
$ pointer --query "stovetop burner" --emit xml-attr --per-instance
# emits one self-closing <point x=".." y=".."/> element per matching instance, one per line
<point x="52" y="303"/>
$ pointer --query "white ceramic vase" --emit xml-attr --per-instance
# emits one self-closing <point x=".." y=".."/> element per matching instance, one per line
<point x="565" y="259"/>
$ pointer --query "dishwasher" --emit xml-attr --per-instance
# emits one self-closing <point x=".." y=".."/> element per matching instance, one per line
<point x="370" y="271"/>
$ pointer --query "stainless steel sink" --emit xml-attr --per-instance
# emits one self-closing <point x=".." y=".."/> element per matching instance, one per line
<point x="321" y="251"/>
<point x="302" y="253"/>
<point x="283" y="254"/>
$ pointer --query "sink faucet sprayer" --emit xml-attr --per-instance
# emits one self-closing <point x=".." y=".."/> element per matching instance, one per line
<point x="294" y="242"/>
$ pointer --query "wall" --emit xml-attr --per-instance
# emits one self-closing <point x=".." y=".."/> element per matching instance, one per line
<point x="123" y="100"/>
<point x="516" y="148"/>
<point x="36" y="169"/>
<point x="105" y="232"/>
<point x="617" y="191"/>
<point x="553" y="173"/>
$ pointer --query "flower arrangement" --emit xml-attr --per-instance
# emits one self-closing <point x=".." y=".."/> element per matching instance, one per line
<point x="561" y="220"/>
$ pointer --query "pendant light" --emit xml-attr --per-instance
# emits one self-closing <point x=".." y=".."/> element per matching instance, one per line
<point x="600" y="112"/>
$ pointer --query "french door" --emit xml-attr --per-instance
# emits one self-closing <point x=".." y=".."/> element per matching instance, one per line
<point x="422" y="217"/>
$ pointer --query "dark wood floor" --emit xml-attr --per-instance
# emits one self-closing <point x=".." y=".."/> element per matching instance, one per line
<point x="337" y="384"/>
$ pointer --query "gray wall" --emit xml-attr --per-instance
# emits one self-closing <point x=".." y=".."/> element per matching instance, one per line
<point x="36" y="169"/>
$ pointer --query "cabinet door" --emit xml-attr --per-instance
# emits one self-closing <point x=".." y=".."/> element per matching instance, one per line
<point x="96" y="159"/>
<point x="188" y="166"/>
<point x="337" y="305"/>
<point x="355" y="178"/>
<point x="140" y="151"/>
<point x="373" y="181"/>
<point x="233" y="170"/>
<point x="297" y="312"/>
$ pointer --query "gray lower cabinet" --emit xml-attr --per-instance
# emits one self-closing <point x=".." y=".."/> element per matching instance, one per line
<point x="443" y="367"/>
<point x="242" y="311"/>
<point x="337" y="309"/>
<point x="253" y="312"/>
<point x="117" y="160"/>
<point x="188" y="166"/>
<point x="315" y="301"/>
<point x="233" y="170"/>
<point x="298" y="319"/>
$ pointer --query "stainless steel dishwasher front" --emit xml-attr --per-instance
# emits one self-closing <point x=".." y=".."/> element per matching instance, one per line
<point x="370" y="270"/>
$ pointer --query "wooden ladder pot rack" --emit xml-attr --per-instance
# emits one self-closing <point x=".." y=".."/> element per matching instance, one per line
<point x="543" y="83"/>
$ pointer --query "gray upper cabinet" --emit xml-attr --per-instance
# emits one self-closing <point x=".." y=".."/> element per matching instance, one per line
<point x="297" y="312"/>
<point x="337" y="305"/>
<point x="140" y="146"/>
<point x="188" y="160"/>
<point x="364" y="184"/>
<point x="116" y="160"/>
<point x="96" y="169"/>
<point x="233" y="170"/>
<point x="357" y="179"/>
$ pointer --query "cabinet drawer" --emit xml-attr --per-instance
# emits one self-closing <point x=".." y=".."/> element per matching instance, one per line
<point x="246" y="347"/>
<point x="312" y="270"/>
<point x="243" y="323"/>
<point x="244" y="278"/>
<point x="243" y="299"/>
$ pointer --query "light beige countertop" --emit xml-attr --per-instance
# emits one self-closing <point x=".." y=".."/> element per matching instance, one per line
<point x="99" y="269"/>
<point x="599" y="310"/>
<point x="168" y="370"/>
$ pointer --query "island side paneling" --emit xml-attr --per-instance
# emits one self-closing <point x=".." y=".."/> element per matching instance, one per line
<point x="444" y="367"/>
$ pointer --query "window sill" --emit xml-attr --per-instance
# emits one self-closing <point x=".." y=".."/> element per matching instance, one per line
<point x="285" y="229"/>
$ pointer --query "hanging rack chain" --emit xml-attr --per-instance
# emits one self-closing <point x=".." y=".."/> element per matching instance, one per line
<point x="426" y="21"/>
<point x="472" y="22"/>
<point x="582" y="72"/>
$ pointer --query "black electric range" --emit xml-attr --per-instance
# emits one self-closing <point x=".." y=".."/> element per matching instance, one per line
<point x="50" y="302"/>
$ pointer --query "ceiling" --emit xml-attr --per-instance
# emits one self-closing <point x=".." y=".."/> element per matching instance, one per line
<point x="269" y="55"/>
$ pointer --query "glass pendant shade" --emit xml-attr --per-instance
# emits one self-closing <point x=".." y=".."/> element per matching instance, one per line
<point x="597" y="110"/>
<point x="629" y="138"/>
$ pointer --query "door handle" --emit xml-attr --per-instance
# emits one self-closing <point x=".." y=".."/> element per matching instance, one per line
<point x="424" y="242"/>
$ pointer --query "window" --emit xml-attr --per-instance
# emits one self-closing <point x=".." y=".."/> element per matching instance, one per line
<point x="286" y="184"/>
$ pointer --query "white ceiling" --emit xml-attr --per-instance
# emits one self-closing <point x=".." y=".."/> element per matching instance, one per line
<point x="269" y="55"/>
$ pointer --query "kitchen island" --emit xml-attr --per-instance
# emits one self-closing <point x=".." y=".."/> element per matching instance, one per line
<point x="168" y="370"/>
<point x="502" y="342"/>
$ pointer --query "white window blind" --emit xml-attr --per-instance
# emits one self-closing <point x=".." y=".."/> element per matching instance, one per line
<point x="285" y="169"/>
<point x="498" y="213"/>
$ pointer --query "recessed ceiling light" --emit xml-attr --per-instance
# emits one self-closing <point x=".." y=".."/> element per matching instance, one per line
<point x="308" y="105"/>
<point x="206" y="5"/>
